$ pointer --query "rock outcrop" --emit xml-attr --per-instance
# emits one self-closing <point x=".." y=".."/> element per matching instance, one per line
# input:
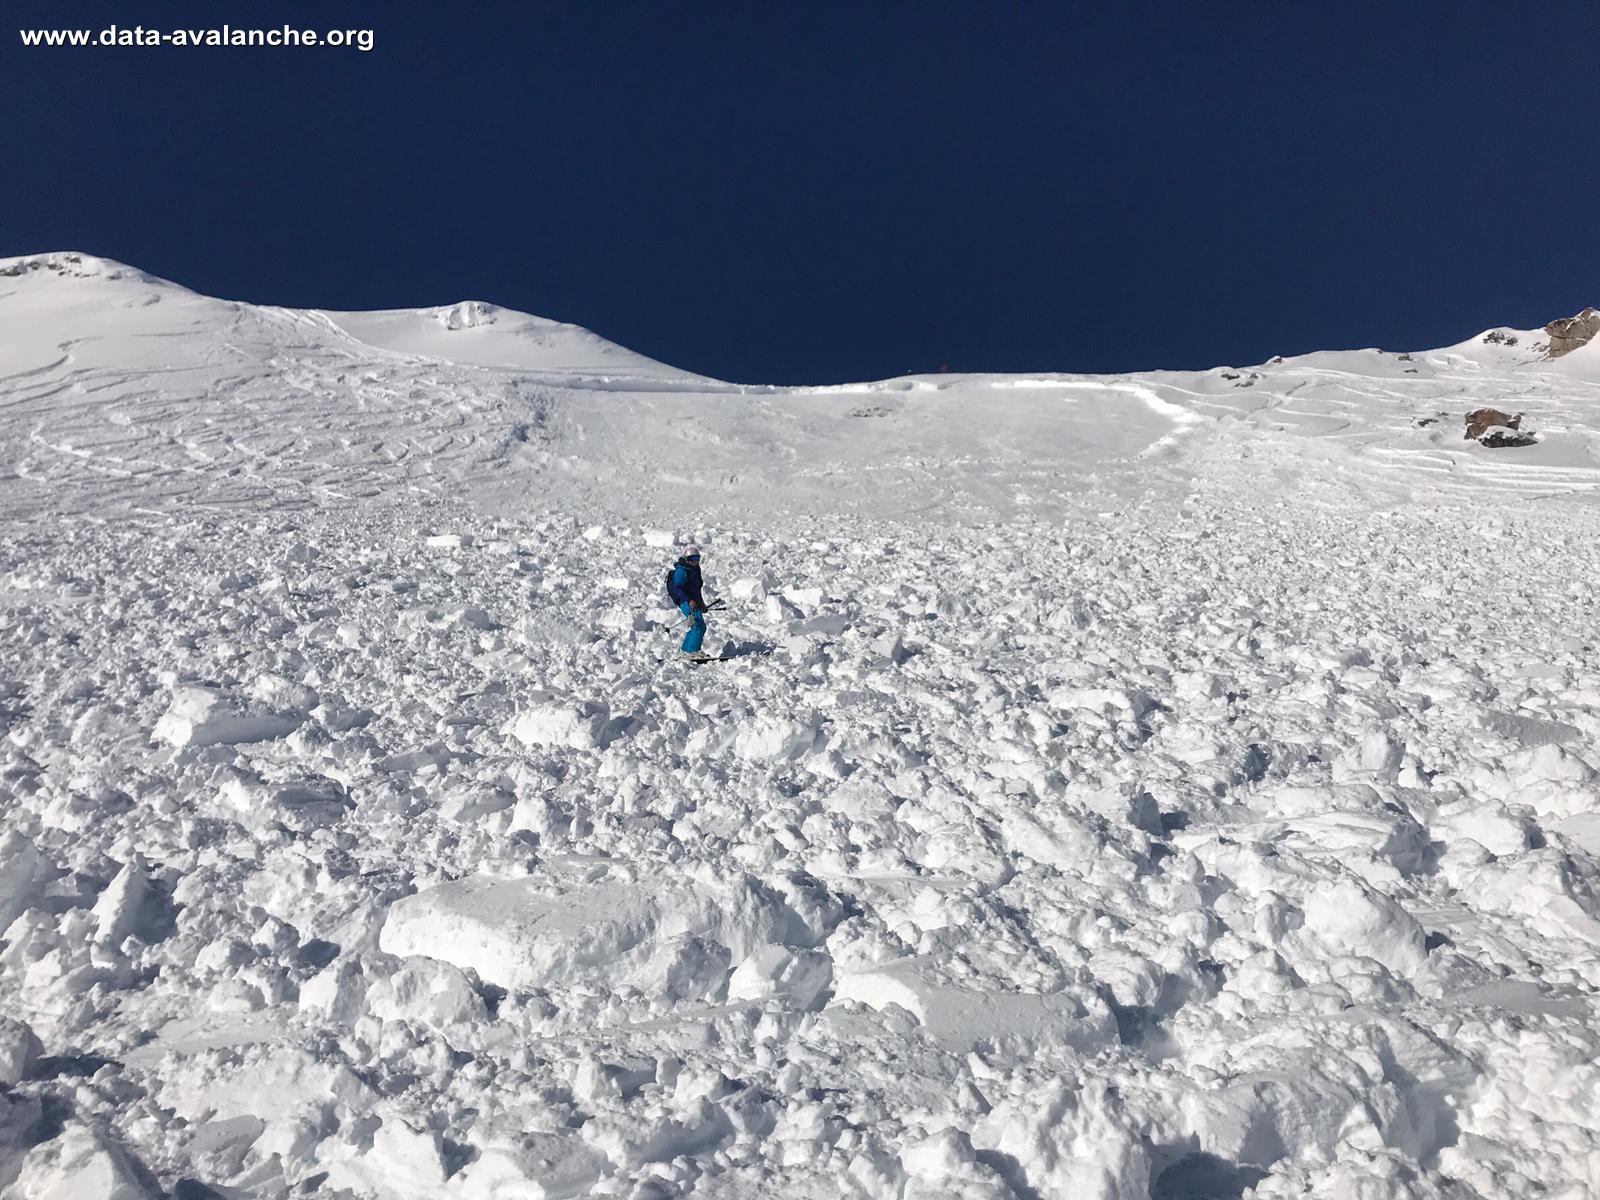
<point x="1479" y="420"/>
<point x="1501" y="439"/>
<point x="1569" y="333"/>
<point x="1497" y="430"/>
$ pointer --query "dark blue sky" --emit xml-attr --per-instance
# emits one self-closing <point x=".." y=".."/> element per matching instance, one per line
<point x="812" y="192"/>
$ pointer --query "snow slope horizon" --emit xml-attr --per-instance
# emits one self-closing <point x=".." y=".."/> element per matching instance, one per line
<point x="496" y="401"/>
<point x="1176" y="785"/>
<point x="552" y="344"/>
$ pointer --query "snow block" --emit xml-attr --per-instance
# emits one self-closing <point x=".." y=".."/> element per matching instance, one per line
<point x="272" y="1083"/>
<point x="80" y="1164"/>
<point x="1544" y="886"/>
<point x="631" y="1143"/>
<point x="549" y="1166"/>
<point x="1376" y="756"/>
<point x="962" y="1017"/>
<point x="308" y="804"/>
<point x="20" y="871"/>
<point x="528" y="933"/>
<point x="1130" y="705"/>
<point x="798" y="979"/>
<point x="427" y="991"/>
<point x="116" y="913"/>
<point x="776" y="739"/>
<point x="1530" y="732"/>
<point x="685" y="967"/>
<point x="403" y="1164"/>
<point x="203" y="716"/>
<point x="1068" y="1140"/>
<point x="946" y="1165"/>
<point x="576" y="726"/>
<point x="779" y="611"/>
<point x="1349" y="918"/>
<point x="339" y="991"/>
<point x="19" y="1050"/>
<point x="1491" y="824"/>
<point x="283" y="695"/>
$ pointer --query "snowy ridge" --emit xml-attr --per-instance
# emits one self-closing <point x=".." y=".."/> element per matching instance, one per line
<point x="1169" y="785"/>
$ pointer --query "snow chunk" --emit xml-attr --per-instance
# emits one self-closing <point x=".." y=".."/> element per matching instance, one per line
<point x="799" y="979"/>
<point x="777" y="739"/>
<point x="524" y="933"/>
<point x="1377" y="755"/>
<point x="272" y="1083"/>
<point x="778" y="611"/>
<point x="960" y="1017"/>
<point x="339" y="991"/>
<point x="1530" y="731"/>
<point x="1070" y="1141"/>
<point x="1544" y="886"/>
<point x="1552" y="781"/>
<point x="80" y="1164"/>
<point x="577" y="726"/>
<point x="403" y="1164"/>
<point x="1491" y="824"/>
<point x="534" y="1164"/>
<point x="631" y="1143"/>
<point x="429" y="992"/>
<point x="308" y="803"/>
<point x="116" y="913"/>
<point x="945" y="1165"/>
<point x="19" y="1050"/>
<point x="1349" y="918"/>
<point x="1131" y="704"/>
<point x="21" y="870"/>
<point x="203" y="716"/>
<point x="283" y="695"/>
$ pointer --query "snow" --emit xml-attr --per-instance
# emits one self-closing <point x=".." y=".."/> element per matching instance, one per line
<point x="1165" y="785"/>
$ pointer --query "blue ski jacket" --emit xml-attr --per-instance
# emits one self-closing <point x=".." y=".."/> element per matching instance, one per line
<point x="684" y="584"/>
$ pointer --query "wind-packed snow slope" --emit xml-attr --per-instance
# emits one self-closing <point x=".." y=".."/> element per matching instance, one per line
<point x="1173" y="785"/>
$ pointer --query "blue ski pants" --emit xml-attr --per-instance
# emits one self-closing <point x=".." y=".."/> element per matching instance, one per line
<point x="697" y="628"/>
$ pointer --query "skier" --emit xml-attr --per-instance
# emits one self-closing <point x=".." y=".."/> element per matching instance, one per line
<point x="683" y="585"/>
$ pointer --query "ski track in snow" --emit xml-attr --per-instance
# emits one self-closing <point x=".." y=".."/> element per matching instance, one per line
<point x="1175" y="785"/>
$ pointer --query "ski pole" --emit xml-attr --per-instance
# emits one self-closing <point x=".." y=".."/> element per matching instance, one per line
<point x="685" y="620"/>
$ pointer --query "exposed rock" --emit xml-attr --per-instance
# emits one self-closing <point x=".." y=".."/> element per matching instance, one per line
<point x="1497" y="430"/>
<point x="1501" y="439"/>
<point x="1569" y="333"/>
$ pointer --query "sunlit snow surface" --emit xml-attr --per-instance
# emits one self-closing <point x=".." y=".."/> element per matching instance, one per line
<point x="1170" y="784"/>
